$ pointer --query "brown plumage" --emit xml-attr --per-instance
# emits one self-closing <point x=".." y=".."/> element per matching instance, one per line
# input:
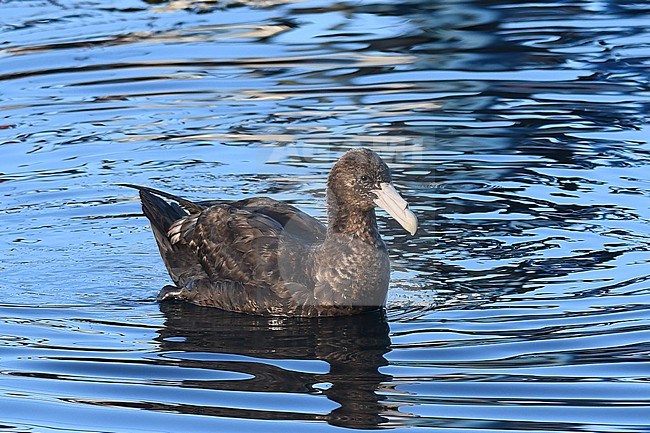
<point x="263" y="256"/>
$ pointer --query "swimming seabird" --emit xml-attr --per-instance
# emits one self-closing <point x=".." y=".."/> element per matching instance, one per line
<point x="264" y="256"/>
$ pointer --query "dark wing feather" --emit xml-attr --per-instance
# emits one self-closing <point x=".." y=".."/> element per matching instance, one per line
<point x="179" y="260"/>
<point x="238" y="245"/>
<point x="294" y="221"/>
<point x="190" y="206"/>
<point x="250" y="255"/>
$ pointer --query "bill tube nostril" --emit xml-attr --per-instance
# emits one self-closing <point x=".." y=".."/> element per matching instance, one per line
<point x="389" y="200"/>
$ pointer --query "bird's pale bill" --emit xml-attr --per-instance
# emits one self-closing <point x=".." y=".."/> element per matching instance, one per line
<point x="389" y="200"/>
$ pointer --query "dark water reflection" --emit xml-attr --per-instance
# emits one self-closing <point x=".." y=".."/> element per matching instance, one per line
<point x="518" y="131"/>
<point x="342" y="357"/>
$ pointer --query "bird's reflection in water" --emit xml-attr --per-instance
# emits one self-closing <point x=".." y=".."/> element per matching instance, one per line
<point x="353" y="346"/>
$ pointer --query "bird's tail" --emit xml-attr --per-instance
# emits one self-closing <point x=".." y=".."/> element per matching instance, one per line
<point x="190" y="206"/>
<point x="178" y="259"/>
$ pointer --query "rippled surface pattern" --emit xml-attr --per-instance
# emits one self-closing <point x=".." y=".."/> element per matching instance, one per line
<point x="518" y="131"/>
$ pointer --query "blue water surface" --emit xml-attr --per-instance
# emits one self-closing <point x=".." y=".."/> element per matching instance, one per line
<point x="517" y="130"/>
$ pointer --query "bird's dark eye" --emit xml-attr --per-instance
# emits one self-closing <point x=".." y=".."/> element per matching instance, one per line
<point x="364" y="178"/>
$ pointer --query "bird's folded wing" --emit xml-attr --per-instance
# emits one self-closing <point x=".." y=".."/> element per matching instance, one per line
<point x="294" y="221"/>
<point x="232" y="244"/>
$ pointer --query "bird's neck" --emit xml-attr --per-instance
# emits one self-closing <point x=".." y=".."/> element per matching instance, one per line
<point x="352" y="221"/>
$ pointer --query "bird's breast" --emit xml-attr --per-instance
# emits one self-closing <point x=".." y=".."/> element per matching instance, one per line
<point x="351" y="271"/>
